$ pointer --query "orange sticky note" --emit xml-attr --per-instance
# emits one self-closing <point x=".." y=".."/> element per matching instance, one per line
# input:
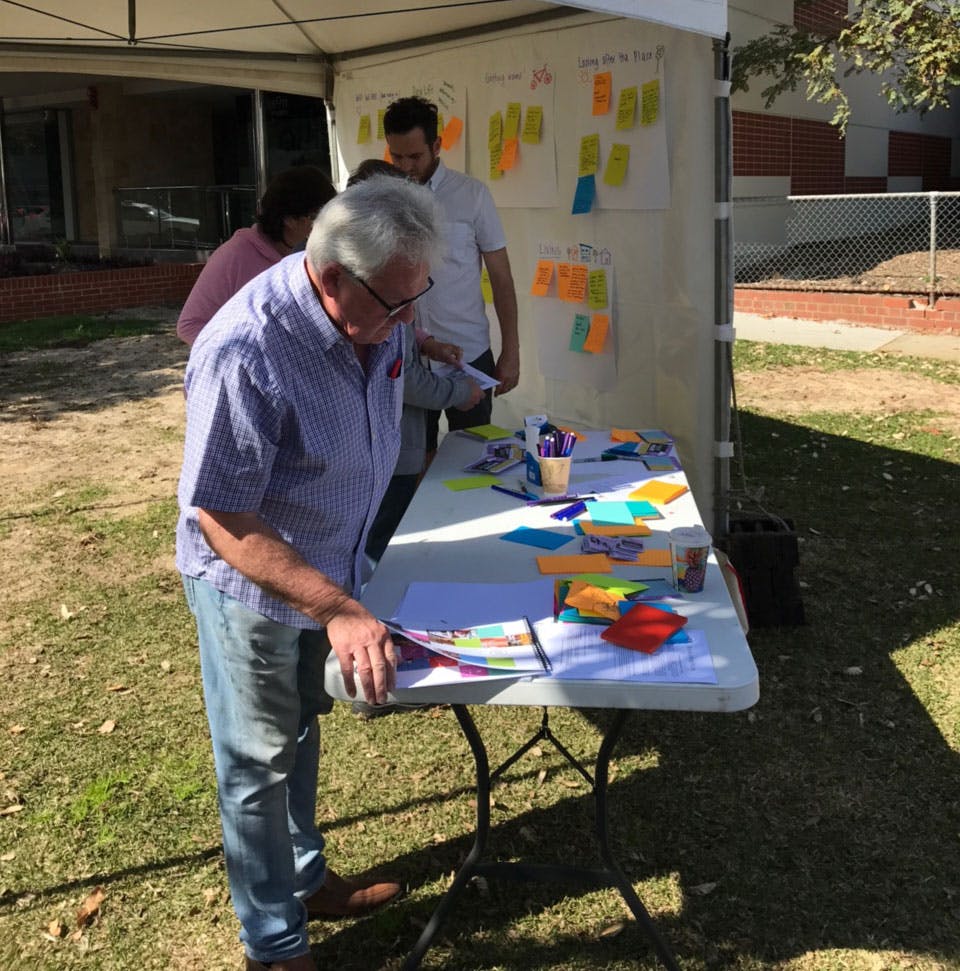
<point x="654" y="558"/>
<point x="582" y="563"/>
<point x="613" y="529"/>
<point x="508" y="155"/>
<point x="563" y="280"/>
<point x="602" y="85"/>
<point x="577" y="291"/>
<point x="624" y="435"/>
<point x="659" y="492"/>
<point x="598" y="334"/>
<point x="541" y="278"/>
<point x="451" y="133"/>
<point x="593" y="600"/>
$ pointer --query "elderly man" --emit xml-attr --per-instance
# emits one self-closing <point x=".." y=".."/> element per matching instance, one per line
<point x="294" y="393"/>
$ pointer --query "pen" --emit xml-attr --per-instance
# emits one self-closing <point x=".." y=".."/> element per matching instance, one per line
<point x="569" y="512"/>
<point x="598" y="458"/>
<point x="525" y="496"/>
<point x="559" y="500"/>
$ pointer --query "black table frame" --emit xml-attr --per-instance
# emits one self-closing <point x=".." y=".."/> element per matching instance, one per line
<point x="610" y="875"/>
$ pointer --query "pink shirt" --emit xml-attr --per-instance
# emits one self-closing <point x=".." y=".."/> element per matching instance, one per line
<point x="237" y="261"/>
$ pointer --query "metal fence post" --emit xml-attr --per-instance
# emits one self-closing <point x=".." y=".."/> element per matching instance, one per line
<point x="931" y="301"/>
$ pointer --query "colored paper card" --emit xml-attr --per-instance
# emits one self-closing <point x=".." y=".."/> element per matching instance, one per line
<point x="543" y="538"/>
<point x="642" y="509"/>
<point x="593" y="600"/>
<point x="659" y="492"/>
<point x="643" y="628"/>
<point x="624" y="435"/>
<point x="532" y="124"/>
<point x="495" y="154"/>
<point x="583" y="196"/>
<point x="596" y="562"/>
<point x="577" y="290"/>
<point x="617" y="162"/>
<point x="602" y="85"/>
<point x="656" y="436"/>
<point x="627" y="108"/>
<point x="610" y="513"/>
<point x="471" y="482"/>
<point x="597" y="289"/>
<point x="452" y="131"/>
<point x="597" y="337"/>
<point x="661" y="463"/>
<point x="485" y="287"/>
<point x="363" y="133"/>
<point x="563" y="280"/>
<point x="380" y="135"/>
<point x="654" y="558"/>
<point x="541" y="278"/>
<point x="488" y="433"/>
<point x="589" y="155"/>
<point x="511" y="123"/>
<point x="508" y="157"/>
<point x="495" y="130"/>
<point x="581" y="327"/>
<point x="600" y="529"/>
<point x="650" y="102"/>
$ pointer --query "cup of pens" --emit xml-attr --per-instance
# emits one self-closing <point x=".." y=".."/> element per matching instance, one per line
<point x="555" y="458"/>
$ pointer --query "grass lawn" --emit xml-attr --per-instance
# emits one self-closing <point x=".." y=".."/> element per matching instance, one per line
<point x="819" y="830"/>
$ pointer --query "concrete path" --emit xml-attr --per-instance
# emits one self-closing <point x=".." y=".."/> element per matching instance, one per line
<point x="840" y="336"/>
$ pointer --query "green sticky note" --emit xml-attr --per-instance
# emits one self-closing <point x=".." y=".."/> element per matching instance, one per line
<point x="511" y="125"/>
<point x="532" y="125"/>
<point x="495" y="131"/>
<point x="581" y="327"/>
<point x="650" y="102"/>
<point x="380" y="113"/>
<point x="597" y="289"/>
<point x="627" y="108"/>
<point x="589" y="155"/>
<point x="363" y="134"/>
<point x="616" y="170"/>
<point x="471" y="482"/>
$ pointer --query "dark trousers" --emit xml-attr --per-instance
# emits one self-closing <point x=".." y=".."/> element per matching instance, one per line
<point x="479" y="414"/>
<point x="394" y="505"/>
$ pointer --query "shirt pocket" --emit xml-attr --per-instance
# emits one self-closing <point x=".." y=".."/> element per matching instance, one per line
<point x="461" y="244"/>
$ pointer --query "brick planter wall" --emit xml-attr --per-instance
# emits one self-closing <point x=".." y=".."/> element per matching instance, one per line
<point x="873" y="309"/>
<point x="91" y="291"/>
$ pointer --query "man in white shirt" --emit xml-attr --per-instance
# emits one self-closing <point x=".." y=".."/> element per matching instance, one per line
<point x="454" y="310"/>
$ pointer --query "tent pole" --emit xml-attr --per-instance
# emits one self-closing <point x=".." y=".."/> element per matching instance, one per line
<point x="259" y="146"/>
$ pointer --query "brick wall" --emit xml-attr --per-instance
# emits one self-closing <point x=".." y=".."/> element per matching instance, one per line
<point x="27" y="297"/>
<point x="821" y="16"/>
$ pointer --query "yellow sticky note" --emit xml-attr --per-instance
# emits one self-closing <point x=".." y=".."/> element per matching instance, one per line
<point x="451" y="133"/>
<point x="624" y="435"/>
<point x="582" y="563"/>
<point x="659" y="492"/>
<point x="471" y="482"/>
<point x="380" y="134"/>
<point x="563" y="280"/>
<point x="589" y="155"/>
<point x="650" y="102"/>
<point x="511" y="123"/>
<point x="532" y="124"/>
<point x="508" y="157"/>
<point x="627" y="108"/>
<point x="617" y="163"/>
<point x="597" y="337"/>
<point x="602" y="84"/>
<point x="495" y="131"/>
<point x="598" y="289"/>
<point x="654" y="558"/>
<point x="485" y="287"/>
<point x="577" y="291"/>
<point x="495" y="170"/>
<point x="541" y="278"/>
<point x="363" y="132"/>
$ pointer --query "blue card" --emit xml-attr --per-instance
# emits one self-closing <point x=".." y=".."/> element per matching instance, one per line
<point x="543" y="538"/>
<point x="583" y="197"/>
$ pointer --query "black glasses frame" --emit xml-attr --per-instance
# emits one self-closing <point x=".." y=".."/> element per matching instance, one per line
<point x="391" y="309"/>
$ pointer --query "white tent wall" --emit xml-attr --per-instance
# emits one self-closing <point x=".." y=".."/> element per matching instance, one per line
<point x="665" y="281"/>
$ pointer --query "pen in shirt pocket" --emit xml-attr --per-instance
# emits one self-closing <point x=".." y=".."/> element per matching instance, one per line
<point x="397" y="367"/>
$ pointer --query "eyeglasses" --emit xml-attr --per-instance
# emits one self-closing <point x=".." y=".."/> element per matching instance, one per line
<point x="391" y="309"/>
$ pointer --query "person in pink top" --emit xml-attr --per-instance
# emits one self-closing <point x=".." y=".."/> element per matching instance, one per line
<point x="284" y="219"/>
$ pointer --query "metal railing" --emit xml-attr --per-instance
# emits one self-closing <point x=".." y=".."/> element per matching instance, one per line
<point x="904" y="242"/>
<point x="185" y="216"/>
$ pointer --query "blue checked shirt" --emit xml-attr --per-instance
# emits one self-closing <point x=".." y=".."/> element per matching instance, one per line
<point x="283" y="421"/>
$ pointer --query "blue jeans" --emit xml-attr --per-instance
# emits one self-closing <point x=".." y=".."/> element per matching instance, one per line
<point x="263" y="687"/>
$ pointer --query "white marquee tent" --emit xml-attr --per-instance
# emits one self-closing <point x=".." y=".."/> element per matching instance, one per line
<point x="619" y="107"/>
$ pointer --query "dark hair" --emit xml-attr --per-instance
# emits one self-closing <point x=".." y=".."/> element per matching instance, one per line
<point x="373" y="166"/>
<point x="405" y="114"/>
<point x="300" y="191"/>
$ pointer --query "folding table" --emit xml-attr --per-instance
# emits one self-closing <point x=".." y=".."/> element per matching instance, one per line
<point x="450" y="535"/>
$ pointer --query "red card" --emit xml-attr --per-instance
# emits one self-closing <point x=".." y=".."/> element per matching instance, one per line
<point x="643" y="628"/>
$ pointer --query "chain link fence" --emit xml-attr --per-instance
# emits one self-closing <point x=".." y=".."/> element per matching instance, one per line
<point x="905" y="243"/>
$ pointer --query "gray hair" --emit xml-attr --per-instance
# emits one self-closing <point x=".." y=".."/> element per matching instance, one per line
<point x="373" y="222"/>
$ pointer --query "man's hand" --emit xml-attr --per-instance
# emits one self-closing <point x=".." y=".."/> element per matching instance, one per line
<point x="507" y="371"/>
<point x="442" y="352"/>
<point x="363" y="644"/>
<point x="476" y="393"/>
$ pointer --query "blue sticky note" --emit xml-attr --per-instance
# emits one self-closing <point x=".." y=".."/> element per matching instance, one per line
<point x="610" y="513"/>
<point x="583" y="197"/>
<point x="536" y="537"/>
<point x="641" y="509"/>
<point x="581" y="327"/>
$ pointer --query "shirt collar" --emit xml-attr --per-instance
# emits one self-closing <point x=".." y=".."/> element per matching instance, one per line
<point x="439" y="173"/>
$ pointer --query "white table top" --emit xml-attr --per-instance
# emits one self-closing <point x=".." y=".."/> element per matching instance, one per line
<point x="455" y="536"/>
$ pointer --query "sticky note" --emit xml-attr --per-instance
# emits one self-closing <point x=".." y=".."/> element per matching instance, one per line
<point x="643" y="628"/>
<point x="602" y="84"/>
<point x="363" y="132"/>
<point x="599" y="325"/>
<point x="650" y="102"/>
<point x="654" y="558"/>
<point x="589" y="562"/>
<point x="627" y="108"/>
<point x="495" y="131"/>
<point x="610" y="513"/>
<point x="597" y="289"/>
<point x="563" y="280"/>
<point x="589" y="155"/>
<point x="659" y="492"/>
<point x="542" y="538"/>
<point x="541" y="278"/>
<point x="380" y="135"/>
<point x="662" y="463"/>
<point x="441" y="124"/>
<point x="532" y="124"/>
<point x="508" y="157"/>
<point x="452" y="131"/>
<point x="642" y="509"/>
<point x="583" y="196"/>
<point x="485" y="288"/>
<point x="511" y="124"/>
<point x="495" y="170"/>
<point x="581" y="327"/>
<point x="577" y="290"/>
<point x="599" y="529"/>
<point x="616" y="170"/>
<point x="624" y="435"/>
<point x="471" y="482"/>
